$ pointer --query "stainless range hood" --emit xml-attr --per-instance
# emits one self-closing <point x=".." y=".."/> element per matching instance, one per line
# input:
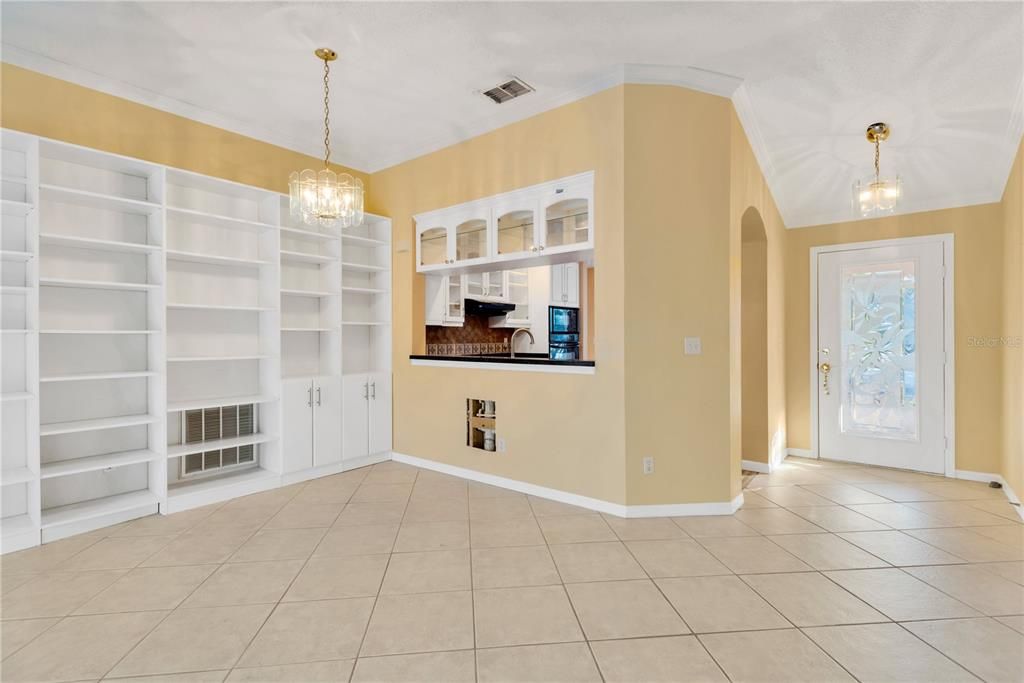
<point x="487" y="308"/>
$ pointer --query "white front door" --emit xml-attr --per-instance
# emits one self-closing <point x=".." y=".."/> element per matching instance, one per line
<point x="881" y="355"/>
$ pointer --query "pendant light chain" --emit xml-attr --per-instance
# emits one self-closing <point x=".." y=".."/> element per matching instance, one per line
<point x="877" y="173"/>
<point x="327" y="114"/>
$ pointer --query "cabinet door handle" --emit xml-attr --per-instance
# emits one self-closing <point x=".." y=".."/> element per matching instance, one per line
<point x="309" y="397"/>
<point x="318" y="402"/>
<point x="366" y="390"/>
<point x="373" y="389"/>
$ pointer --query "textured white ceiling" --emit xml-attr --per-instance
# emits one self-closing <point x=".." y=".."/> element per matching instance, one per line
<point x="810" y="76"/>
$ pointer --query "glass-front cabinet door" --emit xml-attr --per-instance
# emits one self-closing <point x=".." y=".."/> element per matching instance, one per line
<point x="518" y="283"/>
<point x="433" y="246"/>
<point x="472" y="236"/>
<point x="568" y="212"/>
<point x="515" y="220"/>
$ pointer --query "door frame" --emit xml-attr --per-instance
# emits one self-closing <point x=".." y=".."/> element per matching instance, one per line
<point x="949" y="338"/>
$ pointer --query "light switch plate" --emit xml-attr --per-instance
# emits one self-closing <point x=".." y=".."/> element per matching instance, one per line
<point x="501" y="446"/>
<point x="691" y="346"/>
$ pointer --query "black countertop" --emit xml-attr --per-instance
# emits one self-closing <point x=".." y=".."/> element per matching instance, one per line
<point x="504" y="358"/>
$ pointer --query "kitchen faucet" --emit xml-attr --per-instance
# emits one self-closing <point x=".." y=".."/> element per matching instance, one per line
<point x="512" y="343"/>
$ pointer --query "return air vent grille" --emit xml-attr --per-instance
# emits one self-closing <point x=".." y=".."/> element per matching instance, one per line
<point x="508" y="91"/>
<point x="211" y="424"/>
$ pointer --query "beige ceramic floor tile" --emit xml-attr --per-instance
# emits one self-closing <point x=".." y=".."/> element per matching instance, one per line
<point x="753" y="501"/>
<point x="200" y="639"/>
<point x="332" y="578"/>
<point x="899" y="516"/>
<point x="752" y="555"/>
<point x="371" y="513"/>
<point x="148" y="588"/>
<point x="164" y="525"/>
<point x="1013" y="571"/>
<point x="984" y="591"/>
<point x="844" y="494"/>
<point x="56" y="594"/>
<point x="423" y="536"/>
<point x="247" y="583"/>
<point x="900" y="493"/>
<point x="499" y="508"/>
<point x="79" y="648"/>
<point x="45" y="557"/>
<point x="200" y="547"/>
<point x="644" y="529"/>
<point x="437" y="510"/>
<point x="16" y="633"/>
<point x="656" y="660"/>
<point x="882" y="653"/>
<point x="116" y="553"/>
<point x="576" y="529"/>
<point x="524" y="616"/>
<point x="720" y="603"/>
<point x="578" y="562"/>
<point x="1010" y="534"/>
<point x="959" y="513"/>
<point x="427" y="622"/>
<point x="440" y="489"/>
<point x="450" y="667"/>
<point x="505" y="532"/>
<point x="716" y="526"/>
<point x="675" y="558"/>
<point x="897" y="548"/>
<point x="313" y="672"/>
<point x="381" y="493"/>
<point x="543" y="507"/>
<point x="969" y="545"/>
<point x="985" y="647"/>
<point x="1001" y="508"/>
<point x="440" y="570"/>
<point x="827" y="551"/>
<point x="565" y="663"/>
<point x="279" y="544"/>
<point x="777" y="521"/>
<point x="810" y="599"/>
<point x="514" y="566"/>
<point x="305" y="515"/>
<point x="323" y="492"/>
<point x="366" y="539"/>
<point x="624" y="609"/>
<point x="773" y="657"/>
<point x="237" y="518"/>
<point x="310" y="631"/>
<point x="478" y="490"/>
<point x="792" y="496"/>
<point x="1016" y="623"/>
<point x="837" y="519"/>
<point x="191" y="677"/>
<point x="900" y="596"/>
<point x="393" y="476"/>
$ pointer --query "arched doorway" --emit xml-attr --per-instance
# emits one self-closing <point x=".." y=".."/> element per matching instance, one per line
<point x="755" y="440"/>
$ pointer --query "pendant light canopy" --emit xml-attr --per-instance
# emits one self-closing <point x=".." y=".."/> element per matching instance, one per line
<point x="875" y="195"/>
<point x="325" y="199"/>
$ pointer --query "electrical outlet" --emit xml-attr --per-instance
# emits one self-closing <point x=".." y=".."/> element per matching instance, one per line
<point x="501" y="445"/>
<point x="691" y="346"/>
<point x="649" y="465"/>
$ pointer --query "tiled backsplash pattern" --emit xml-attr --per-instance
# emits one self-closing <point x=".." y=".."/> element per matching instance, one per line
<point x="472" y="338"/>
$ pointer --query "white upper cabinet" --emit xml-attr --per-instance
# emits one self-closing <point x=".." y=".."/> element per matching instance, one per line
<point x="511" y="230"/>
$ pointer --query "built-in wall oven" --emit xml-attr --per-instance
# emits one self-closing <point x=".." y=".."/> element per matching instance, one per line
<point x="563" y="333"/>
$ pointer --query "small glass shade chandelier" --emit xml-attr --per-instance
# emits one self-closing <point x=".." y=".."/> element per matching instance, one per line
<point x="325" y="199"/>
<point x="877" y="196"/>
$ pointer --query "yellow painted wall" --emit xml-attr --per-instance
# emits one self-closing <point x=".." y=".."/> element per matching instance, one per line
<point x="749" y="192"/>
<point x="977" y="303"/>
<point x="1012" y="463"/>
<point x="754" y="338"/>
<point x="563" y="431"/>
<point x="52" y="108"/>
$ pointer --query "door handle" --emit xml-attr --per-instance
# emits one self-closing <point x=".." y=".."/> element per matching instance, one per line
<point x="318" y="396"/>
<point x="373" y="390"/>
<point x="309" y="397"/>
<point x="366" y="390"/>
<point x="825" y="369"/>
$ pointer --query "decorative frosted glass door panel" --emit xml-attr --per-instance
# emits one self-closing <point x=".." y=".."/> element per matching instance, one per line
<point x="515" y="230"/>
<point x="471" y="240"/>
<point x="880" y="378"/>
<point x="879" y="351"/>
<point x="433" y="244"/>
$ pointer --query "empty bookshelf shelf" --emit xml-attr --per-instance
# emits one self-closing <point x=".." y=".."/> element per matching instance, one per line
<point x="97" y="424"/>
<point x="97" y="244"/>
<point x="96" y="462"/>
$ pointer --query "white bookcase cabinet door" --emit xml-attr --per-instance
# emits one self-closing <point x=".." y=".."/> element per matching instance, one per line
<point x="297" y="397"/>
<point x="355" y="416"/>
<point x="327" y="410"/>
<point x="380" y="413"/>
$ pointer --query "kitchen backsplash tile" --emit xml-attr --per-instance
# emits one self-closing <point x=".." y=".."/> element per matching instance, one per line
<point x="474" y="337"/>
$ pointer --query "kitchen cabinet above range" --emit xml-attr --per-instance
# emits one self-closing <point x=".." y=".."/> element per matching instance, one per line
<point x="543" y="224"/>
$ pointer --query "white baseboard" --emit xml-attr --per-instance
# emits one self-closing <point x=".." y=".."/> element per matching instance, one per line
<point x="800" y="452"/>
<point x="596" y="504"/>
<point x="986" y="477"/>
<point x="336" y="468"/>
<point x="755" y="466"/>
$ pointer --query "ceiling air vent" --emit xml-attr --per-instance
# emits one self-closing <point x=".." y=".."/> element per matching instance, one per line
<point x="508" y="91"/>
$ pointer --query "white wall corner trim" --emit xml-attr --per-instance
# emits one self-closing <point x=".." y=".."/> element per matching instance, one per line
<point x="801" y="453"/>
<point x="596" y="504"/>
<point x="755" y="466"/>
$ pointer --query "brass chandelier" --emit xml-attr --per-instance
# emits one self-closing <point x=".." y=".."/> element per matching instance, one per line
<point x="877" y="195"/>
<point x="325" y="199"/>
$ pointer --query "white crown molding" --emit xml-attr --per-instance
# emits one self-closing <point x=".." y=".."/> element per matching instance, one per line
<point x="1014" y="133"/>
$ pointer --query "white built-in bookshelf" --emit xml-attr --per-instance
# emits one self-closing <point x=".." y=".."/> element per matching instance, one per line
<point x="160" y="329"/>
